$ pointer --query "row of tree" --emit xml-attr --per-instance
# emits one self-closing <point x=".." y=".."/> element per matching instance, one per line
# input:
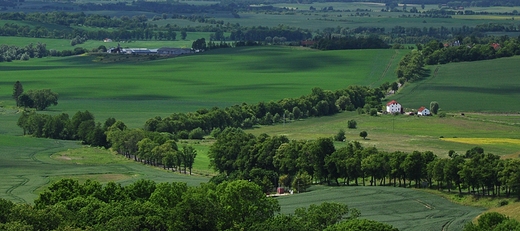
<point x="11" y="53"/>
<point x="342" y="43"/>
<point x="274" y="160"/>
<point x="319" y="103"/>
<point x="411" y="66"/>
<point x="146" y="205"/>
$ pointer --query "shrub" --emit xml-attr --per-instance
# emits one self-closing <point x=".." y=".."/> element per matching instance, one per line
<point x="352" y="124"/>
<point x="196" y="134"/>
<point x="442" y="114"/>
<point x="340" y="136"/>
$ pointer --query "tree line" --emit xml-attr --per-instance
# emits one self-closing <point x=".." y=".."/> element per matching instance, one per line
<point x="146" y="205"/>
<point x="319" y="103"/>
<point x="272" y="161"/>
<point x="350" y="42"/>
<point x="11" y="53"/>
<point x="411" y="66"/>
<point x="153" y="148"/>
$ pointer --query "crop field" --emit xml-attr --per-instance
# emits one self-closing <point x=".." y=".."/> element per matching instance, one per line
<point x="136" y="91"/>
<point x="482" y="86"/>
<point x="405" y="209"/>
<point x="409" y="133"/>
<point x="28" y="164"/>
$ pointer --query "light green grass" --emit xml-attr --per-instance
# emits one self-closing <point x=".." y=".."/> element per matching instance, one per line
<point x="405" y="209"/>
<point x="481" y="86"/>
<point x="134" y="92"/>
<point x="404" y="133"/>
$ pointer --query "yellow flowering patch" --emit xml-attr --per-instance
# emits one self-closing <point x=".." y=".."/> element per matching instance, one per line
<point x="483" y="140"/>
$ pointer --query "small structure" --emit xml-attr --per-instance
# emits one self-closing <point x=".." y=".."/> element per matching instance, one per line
<point x="394" y="107"/>
<point x="107" y="40"/>
<point x="137" y="51"/>
<point x="173" y="51"/>
<point x="423" y="111"/>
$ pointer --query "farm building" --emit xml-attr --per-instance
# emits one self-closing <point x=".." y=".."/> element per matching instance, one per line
<point x="394" y="107"/>
<point x="423" y="111"/>
<point x="173" y="51"/>
<point x="138" y="51"/>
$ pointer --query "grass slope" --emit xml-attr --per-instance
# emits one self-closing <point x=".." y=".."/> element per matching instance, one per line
<point x="141" y="89"/>
<point x="482" y="86"/>
<point x="26" y="166"/>
<point x="405" y="209"/>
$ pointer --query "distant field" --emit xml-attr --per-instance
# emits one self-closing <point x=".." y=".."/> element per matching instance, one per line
<point x="136" y="91"/>
<point x="482" y="86"/>
<point x="64" y="44"/>
<point x="405" y="209"/>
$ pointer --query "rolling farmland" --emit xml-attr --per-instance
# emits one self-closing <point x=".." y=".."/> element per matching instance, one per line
<point x="482" y="86"/>
<point x="136" y="91"/>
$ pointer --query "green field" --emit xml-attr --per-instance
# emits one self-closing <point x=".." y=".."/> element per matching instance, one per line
<point x="405" y="209"/>
<point x="26" y="166"/>
<point x="482" y="86"/>
<point x="136" y="91"/>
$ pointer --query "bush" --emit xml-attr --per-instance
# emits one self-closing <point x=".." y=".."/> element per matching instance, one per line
<point x="373" y="112"/>
<point x="352" y="124"/>
<point x="215" y="132"/>
<point x="442" y="114"/>
<point x="196" y="134"/>
<point x="340" y="136"/>
<point x="183" y="135"/>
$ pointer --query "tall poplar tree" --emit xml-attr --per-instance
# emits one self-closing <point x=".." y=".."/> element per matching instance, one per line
<point x="17" y="91"/>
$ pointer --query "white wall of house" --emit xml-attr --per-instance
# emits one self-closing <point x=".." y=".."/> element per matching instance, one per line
<point x="424" y="112"/>
<point x="394" y="107"/>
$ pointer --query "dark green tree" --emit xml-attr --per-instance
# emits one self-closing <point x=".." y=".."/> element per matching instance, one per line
<point x="434" y="107"/>
<point x="340" y="136"/>
<point x="363" y="134"/>
<point x="17" y="92"/>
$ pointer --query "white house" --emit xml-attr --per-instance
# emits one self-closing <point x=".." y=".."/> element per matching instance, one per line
<point x="393" y="107"/>
<point x="423" y="111"/>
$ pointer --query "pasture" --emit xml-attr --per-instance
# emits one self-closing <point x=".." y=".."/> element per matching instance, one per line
<point x="409" y="133"/>
<point x="481" y="86"/>
<point x="405" y="209"/>
<point x="136" y="91"/>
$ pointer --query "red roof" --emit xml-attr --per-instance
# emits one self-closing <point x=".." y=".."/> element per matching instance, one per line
<point x="421" y="109"/>
<point x="392" y="102"/>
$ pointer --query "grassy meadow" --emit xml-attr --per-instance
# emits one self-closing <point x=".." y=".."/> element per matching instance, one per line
<point x="481" y="86"/>
<point x="409" y="133"/>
